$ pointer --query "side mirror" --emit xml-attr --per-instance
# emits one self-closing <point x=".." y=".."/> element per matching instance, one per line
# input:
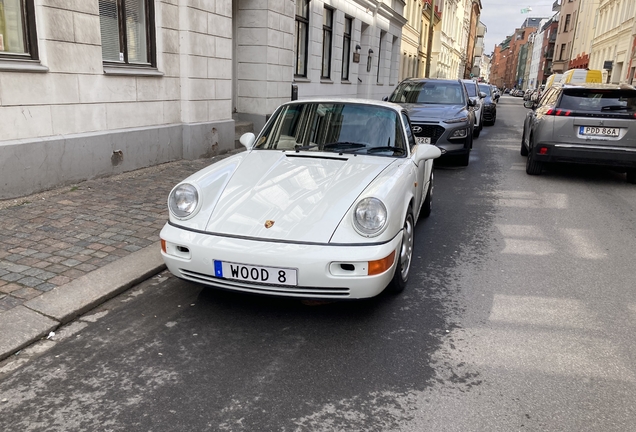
<point x="496" y="97"/>
<point x="385" y="98"/>
<point x="247" y="139"/>
<point x="482" y="95"/>
<point x="471" y="103"/>
<point x="427" y="151"/>
<point x="529" y="104"/>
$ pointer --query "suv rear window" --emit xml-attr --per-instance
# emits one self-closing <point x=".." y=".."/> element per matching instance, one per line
<point x="599" y="100"/>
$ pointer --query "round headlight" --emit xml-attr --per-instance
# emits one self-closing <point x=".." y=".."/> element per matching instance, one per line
<point x="369" y="216"/>
<point x="183" y="200"/>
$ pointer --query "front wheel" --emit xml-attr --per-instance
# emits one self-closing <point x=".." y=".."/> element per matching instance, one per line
<point x="401" y="276"/>
<point x="631" y="176"/>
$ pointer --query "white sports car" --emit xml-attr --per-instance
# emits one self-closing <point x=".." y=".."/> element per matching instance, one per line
<point x="322" y="205"/>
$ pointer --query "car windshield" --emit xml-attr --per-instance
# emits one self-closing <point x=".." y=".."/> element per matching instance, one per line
<point x="578" y="99"/>
<point x="335" y="127"/>
<point x="429" y="92"/>
<point x="485" y="88"/>
<point x="471" y="88"/>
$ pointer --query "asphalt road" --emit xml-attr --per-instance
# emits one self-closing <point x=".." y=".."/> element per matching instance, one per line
<point x="519" y="315"/>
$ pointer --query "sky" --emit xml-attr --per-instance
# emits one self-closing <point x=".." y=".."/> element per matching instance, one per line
<point x="502" y="17"/>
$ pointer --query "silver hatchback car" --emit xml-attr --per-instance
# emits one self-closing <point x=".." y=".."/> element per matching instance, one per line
<point x="587" y="123"/>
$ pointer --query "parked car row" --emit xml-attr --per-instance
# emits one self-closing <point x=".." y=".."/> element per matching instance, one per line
<point x="584" y="123"/>
<point x="323" y="204"/>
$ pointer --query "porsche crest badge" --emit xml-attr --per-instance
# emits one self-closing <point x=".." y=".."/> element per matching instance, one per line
<point x="269" y="224"/>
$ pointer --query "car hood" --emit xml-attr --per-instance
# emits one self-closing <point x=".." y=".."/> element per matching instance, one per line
<point x="305" y="195"/>
<point x="423" y="112"/>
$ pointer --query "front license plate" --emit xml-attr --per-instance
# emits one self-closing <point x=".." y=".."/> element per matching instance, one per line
<point x="423" y="140"/>
<point x="599" y="131"/>
<point x="244" y="272"/>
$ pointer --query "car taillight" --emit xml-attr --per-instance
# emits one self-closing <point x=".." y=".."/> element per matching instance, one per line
<point x="558" y="112"/>
<point x="543" y="150"/>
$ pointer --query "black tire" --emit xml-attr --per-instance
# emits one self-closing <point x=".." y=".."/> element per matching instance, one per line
<point x="428" y="201"/>
<point x="401" y="276"/>
<point x="524" y="149"/>
<point x="476" y="132"/>
<point x="631" y="176"/>
<point x="532" y="166"/>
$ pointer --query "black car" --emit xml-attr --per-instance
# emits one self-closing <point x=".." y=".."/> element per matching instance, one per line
<point x="490" y="104"/>
<point x="439" y="110"/>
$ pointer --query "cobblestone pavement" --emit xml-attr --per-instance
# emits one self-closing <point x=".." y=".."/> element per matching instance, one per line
<point x="51" y="238"/>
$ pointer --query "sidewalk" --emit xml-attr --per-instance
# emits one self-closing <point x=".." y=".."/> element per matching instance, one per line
<point x="65" y="251"/>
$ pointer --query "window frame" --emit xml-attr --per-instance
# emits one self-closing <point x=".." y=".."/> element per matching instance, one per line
<point x="327" y="29"/>
<point x="301" y="20"/>
<point x="29" y="33"/>
<point x="151" y="38"/>
<point x="346" y="49"/>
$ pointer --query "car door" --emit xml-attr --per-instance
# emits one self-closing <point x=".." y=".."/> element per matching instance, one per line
<point x="423" y="170"/>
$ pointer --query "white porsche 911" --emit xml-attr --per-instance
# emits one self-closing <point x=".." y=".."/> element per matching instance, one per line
<point x="322" y="205"/>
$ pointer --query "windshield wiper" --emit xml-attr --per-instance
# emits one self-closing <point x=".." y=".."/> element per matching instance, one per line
<point x="614" y="107"/>
<point x="377" y="149"/>
<point x="386" y="148"/>
<point x="342" y="145"/>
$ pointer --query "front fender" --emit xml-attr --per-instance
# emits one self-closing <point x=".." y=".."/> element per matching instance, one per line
<point x="395" y="187"/>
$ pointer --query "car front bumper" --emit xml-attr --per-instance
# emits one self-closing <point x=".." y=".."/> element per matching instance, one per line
<point x="587" y="154"/>
<point x="320" y="275"/>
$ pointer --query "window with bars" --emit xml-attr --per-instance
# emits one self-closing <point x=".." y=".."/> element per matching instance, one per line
<point x="346" y="48"/>
<point x="301" y="37"/>
<point x="127" y="28"/>
<point x="327" y="33"/>
<point x="18" y="38"/>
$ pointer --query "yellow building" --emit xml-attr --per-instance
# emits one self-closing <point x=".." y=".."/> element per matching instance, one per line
<point x="612" y="41"/>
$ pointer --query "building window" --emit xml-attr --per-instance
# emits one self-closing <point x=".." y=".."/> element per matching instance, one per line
<point x="17" y="30"/>
<point x="327" y="31"/>
<point x="301" y="37"/>
<point x="128" y="32"/>
<point x="346" y="48"/>
<point x="382" y="34"/>
<point x="562" y="52"/>
<point x="566" y="26"/>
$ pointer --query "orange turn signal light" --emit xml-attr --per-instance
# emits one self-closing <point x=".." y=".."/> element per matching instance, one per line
<point x="380" y="266"/>
<point x="163" y="246"/>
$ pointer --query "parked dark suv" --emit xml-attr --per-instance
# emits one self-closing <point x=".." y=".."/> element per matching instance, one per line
<point x="582" y="123"/>
<point x="439" y="113"/>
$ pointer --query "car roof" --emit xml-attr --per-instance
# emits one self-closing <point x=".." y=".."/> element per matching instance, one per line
<point x="334" y="99"/>
<point x="599" y="86"/>
<point x="431" y="80"/>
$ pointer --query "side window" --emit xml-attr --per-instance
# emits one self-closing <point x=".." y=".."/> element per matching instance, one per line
<point x="546" y="96"/>
<point x="128" y="32"/>
<point x="409" y="132"/>
<point x="552" y="97"/>
<point x="18" y="38"/>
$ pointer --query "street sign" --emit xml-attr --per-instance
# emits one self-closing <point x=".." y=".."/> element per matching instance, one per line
<point x="607" y="64"/>
<point x="472" y="75"/>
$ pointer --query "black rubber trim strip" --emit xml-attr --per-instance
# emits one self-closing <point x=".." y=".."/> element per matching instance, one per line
<point x="281" y="241"/>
